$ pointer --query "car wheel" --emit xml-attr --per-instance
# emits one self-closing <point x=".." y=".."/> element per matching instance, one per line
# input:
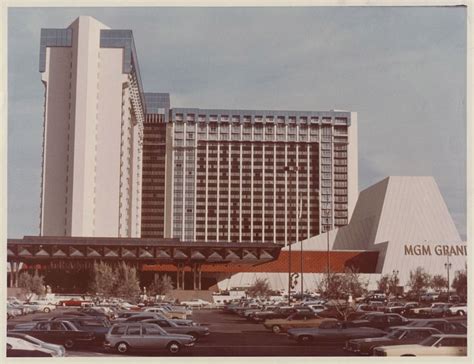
<point x="276" y="329"/>
<point x="69" y="344"/>
<point x="304" y="339"/>
<point x="122" y="347"/>
<point x="407" y="355"/>
<point x="173" y="347"/>
<point x="460" y="313"/>
<point x="47" y="310"/>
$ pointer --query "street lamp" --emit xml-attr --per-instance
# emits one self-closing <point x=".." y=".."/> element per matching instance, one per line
<point x="395" y="281"/>
<point x="290" y="170"/>
<point x="447" y="265"/>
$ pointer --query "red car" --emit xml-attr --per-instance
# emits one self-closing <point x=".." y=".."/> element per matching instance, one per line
<point x="74" y="302"/>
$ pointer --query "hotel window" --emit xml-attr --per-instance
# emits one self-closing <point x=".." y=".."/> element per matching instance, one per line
<point x="202" y="118"/>
<point x="258" y="119"/>
<point x="236" y="118"/>
<point x="224" y="117"/>
<point x="247" y="118"/>
<point x="190" y="117"/>
<point x="314" y="120"/>
<point x="281" y="119"/>
<point x="213" y="117"/>
<point x="269" y="119"/>
<point x="179" y="117"/>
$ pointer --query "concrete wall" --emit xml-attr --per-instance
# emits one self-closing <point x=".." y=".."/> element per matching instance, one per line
<point x="55" y="211"/>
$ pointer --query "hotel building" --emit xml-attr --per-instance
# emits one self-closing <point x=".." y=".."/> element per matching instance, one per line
<point x="93" y="131"/>
<point x="226" y="178"/>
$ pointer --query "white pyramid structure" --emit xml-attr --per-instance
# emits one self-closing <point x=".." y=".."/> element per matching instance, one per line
<point x="398" y="216"/>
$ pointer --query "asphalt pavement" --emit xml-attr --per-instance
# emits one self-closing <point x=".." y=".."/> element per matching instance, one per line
<point x="230" y="335"/>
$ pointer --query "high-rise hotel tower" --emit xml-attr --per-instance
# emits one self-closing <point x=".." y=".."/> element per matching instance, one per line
<point x="118" y="162"/>
<point x="94" y="110"/>
<point x="249" y="175"/>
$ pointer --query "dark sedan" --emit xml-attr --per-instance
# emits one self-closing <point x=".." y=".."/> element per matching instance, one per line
<point x="96" y="325"/>
<point x="333" y="331"/>
<point x="383" y="321"/>
<point x="402" y="336"/>
<point x="58" y="332"/>
<point x="279" y="312"/>
<point x="173" y="328"/>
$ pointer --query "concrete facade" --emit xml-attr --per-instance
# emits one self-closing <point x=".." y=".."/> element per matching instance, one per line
<point x="93" y="131"/>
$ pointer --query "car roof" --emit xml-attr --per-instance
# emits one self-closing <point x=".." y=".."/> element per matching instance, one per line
<point x="451" y="335"/>
<point x="413" y="328"/>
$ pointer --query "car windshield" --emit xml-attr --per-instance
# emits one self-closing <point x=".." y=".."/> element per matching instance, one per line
<point x="396" y="334"/>
<point x="429" y="341"/>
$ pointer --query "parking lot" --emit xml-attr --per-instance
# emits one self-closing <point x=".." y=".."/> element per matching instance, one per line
<point x="231" y="335"/>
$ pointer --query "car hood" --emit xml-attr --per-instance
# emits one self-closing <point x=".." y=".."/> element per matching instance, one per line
<point x="372" y="339"/>
<point x="402" y="347"/>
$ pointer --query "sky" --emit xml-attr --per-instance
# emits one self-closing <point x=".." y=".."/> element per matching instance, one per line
<point x="403" y="70"/>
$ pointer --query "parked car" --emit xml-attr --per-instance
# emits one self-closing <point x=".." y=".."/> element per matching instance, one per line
<point x="384" y="320"/>
<point x="459" y="309"/>
<point x="58" y="332"/>
<point x="278" y="312"/>
<point x="43" y="306"/>
<point x="435" y="345"/>
<point x="96" y="325"/>
<point x="437" y="309"/>
<point x="394" y="307"/>
<point x="403" y="335"/>
<point x="294" y="321"/>
<point x="172" y="327"/>
<point x="250" y="314"/>
<point x="56" y="350"/>
<point x="429" y="297"/>
<point x="153" y="315"/>
<point x="167" y="312"/>
<point x="197" y="302"/>
<point x="331" y="330"/>
<point x="125" y="337"/>
<point x="74" y="302"/>
<point x="21" y="348"/>
<point x="443" y="325"/>
<point x="13" y="311"/>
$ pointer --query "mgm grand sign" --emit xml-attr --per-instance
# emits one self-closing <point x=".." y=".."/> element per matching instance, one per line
<point x="425" y="249"/>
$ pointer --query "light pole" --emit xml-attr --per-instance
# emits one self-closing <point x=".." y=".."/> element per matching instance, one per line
<point x="327" y="258"/>
<point x="395" y="281"/>
<point x="447" y="265"/>
<point x="290" y="170"/>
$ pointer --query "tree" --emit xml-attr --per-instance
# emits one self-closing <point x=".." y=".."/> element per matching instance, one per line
<point x="104" y="279"/>
<point x="128" y="285"/>
<point x="389" y="283"/>
<point x="31" y="284"/>
<point x="383" y="283"/>
<point x="341" y="285"/>
<point x="438" y="282"/>
<point x="160" y="285"/>
<point x="419" y="281"/>
<point x="260" y="288"/>
<point x="460" y="283"/>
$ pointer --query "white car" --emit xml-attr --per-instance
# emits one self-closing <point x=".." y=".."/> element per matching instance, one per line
<point x="43" y="306"/>
<point x="460" y="310"/>
<point x="435" y="345"/>
<point x="23" y="346"/>
<point x="196" y="303"/>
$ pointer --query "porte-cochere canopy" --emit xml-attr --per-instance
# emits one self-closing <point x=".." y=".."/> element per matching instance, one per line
<point x="34" y="249"/>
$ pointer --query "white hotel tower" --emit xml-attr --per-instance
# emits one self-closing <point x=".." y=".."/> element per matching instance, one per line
<point x="93" y="132"/>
